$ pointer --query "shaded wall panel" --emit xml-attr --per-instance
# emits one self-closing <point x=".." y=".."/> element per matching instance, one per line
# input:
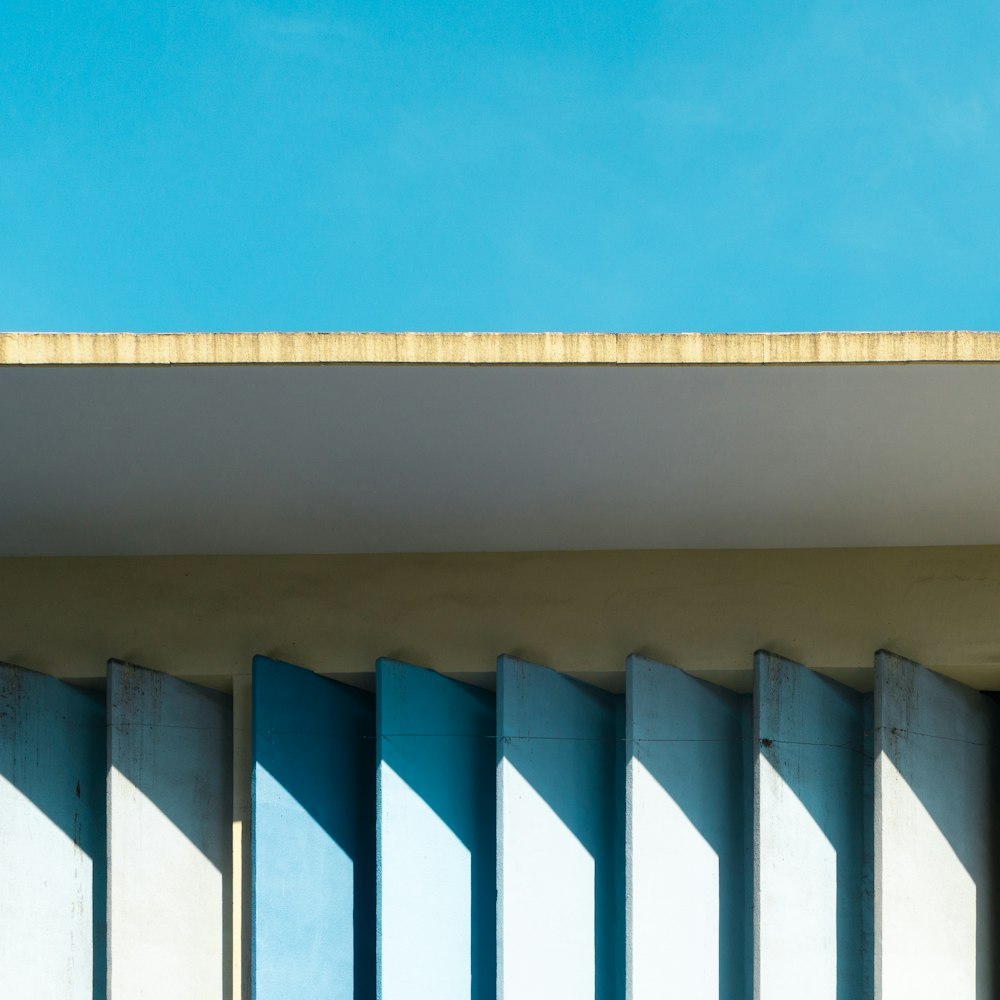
<point x="557" y="870"/>
<point x="811" y="826"/>
<point x="685" y="837"/>
<point x="169" y="837"/>
<point x="436" y="836"/>
<point x="52" y="838"/>
<point x="936" y="837"/>
<point x="313" y="807"/>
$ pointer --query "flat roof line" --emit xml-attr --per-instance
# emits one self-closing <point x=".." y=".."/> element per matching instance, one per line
<point x="601" y="349"/>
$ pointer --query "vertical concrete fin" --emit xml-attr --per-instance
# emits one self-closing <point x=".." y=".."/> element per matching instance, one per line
<point x="935" y="835"/>
<point x="811" y="827"/>
<point x="169" y="837"/>
<point x="557" y="873"/>
<point x="686" y="909"/>
<point x="52" y="838"/>
<point x="313" y="814"/>
<point x="436" y="830"/>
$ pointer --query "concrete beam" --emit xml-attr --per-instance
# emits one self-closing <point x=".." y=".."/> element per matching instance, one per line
<point x="52" y="838"/>
<point x="935" y="836"/>
<point x="812" y="831"/>
<point x="169" y="837"/>
<point x="436" y="836"/>
<point x="578" y="612"/>
<point x="559" y="874"/>
<point x="313" y="806"/>
<point x="687" y="831"/>
<point x="497" y="348"/>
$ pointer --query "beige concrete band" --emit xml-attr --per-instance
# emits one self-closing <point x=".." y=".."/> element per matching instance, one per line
<point x="204" y="617"/>
<point x="267" y="348"/>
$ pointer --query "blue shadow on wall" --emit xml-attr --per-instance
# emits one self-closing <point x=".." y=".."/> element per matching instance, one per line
<point x="943" y="738"/>
<point x="565" y="738"/>
<point x="53" y="751"/>
<point x="313" y="814"/>
<point x="436" y="753"/>
<point x="816" y="734"/>
<point x="691" y="737"/>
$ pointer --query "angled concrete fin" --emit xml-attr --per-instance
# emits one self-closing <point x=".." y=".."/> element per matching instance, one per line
<point x="436" y="828"/>
<point x="812" y="831"/>
<point x="169" y="837"/>
<point x="53" y="760"/>
<point x="560" y="779"/>
<point x="686" y="831"/>
<point x="936" y="839"/>
<point x="313" y="811"/>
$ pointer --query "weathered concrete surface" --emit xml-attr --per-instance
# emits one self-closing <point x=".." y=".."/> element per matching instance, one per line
<point x="558" y="785"/>
<point x="935" y="836"/>
<point x="812" y="825"/>
<point x="169" y="837"/>
<point x="579" y="612"/>
<point x="686" y="832"/>
<point x="436" y="836"/>
<point x="313" y="836"/>
<point x="497" y="348"/>
<point x="52" y="839"/>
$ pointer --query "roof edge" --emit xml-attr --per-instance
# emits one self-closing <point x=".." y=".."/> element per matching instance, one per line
<point x="607" y="349"/>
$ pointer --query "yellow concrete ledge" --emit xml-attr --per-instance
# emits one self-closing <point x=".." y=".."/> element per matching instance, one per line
<point x="900" y="347"/>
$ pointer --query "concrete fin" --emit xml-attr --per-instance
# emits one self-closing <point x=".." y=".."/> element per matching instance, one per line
<point x="686" y="828"/>
<point x="53" y="760"/>
<point x="559" y="782"/>
<point x="169" y="837"/>
<point x="812" y="829"/>
<point x="936" y="895"/>
<point x="313" y="814"/>
<point x="436" y="836"/>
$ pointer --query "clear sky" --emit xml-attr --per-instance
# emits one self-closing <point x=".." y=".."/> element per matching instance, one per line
<point x="520" y="165"/>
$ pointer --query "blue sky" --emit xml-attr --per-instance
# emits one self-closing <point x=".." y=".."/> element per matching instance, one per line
<point x="518" y="166"/>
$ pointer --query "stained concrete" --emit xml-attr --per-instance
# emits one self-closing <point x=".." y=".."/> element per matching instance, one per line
<point x="936" y="773"/>
<point x="169" y="838"/>
<point x="52" y="839"/>
<point x="812" y="827"/>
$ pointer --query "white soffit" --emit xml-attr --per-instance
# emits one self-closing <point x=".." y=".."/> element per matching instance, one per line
<point x="132" y="444"/>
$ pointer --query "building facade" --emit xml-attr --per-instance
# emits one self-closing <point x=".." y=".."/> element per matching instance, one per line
<point x="584" y="666"/>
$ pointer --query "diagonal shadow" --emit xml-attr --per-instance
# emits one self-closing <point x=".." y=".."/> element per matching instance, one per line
<point x="690" y="736"/>
<point x="563" y="737"/>
<point x="943" y="739"/>
<point x="438" y="736"/>
<point x="315" y="738"/>
<point x="812" y="731"/>
<point x="173" y="742"/>
<point x="53" y="751"/>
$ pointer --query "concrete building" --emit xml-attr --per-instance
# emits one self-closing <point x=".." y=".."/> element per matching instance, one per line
<point x="462" y="666"/>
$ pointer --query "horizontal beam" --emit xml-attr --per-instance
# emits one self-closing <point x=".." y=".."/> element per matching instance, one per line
<point x="579" y="612"/>
<point x="482" y="348"/>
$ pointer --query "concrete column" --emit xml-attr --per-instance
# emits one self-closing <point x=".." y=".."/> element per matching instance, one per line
<point x="811" y="827"/>
<point x="557" y="807"/>
<point x="313" y="836"/>
<point x="52" y="838"/>
<point x="686" y="829"/>
<point x="935" y="836"/>
<point x="169" y="837"/>
<point x="436" y="836"/>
